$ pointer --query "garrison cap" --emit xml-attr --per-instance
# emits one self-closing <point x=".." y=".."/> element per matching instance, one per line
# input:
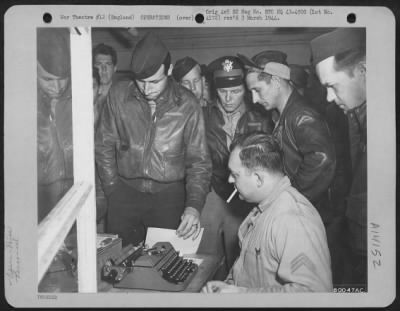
<point x="272" y="67"/>
<point x="261" y="59"/>
<point x="53" y="51"/>
<point x="182" y="67"/>
<point x="298" y="75"/>
<point x="203" y="68"/>
<point x="227" y="71"/>
<point x="148" y="56"/>
<point x="337" y="41"/>
<point x="264" y="57"/>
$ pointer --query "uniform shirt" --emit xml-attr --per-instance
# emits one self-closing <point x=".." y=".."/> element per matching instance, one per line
<point x="231" y="120"/>
<point x="283" y="246"/>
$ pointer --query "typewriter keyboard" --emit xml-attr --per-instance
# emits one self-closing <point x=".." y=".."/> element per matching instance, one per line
<point x="177" y="269"/>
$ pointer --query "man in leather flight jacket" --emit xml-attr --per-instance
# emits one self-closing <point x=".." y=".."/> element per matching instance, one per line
<point x="229" y="115"/>
<point x="151" y="150"/>
<point x="54" y="118"/>
<point x="308" y="151"/>
<point x="340" y="63"/>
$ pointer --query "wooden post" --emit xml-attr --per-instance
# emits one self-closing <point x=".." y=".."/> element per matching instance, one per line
<point x="83" y="140"/>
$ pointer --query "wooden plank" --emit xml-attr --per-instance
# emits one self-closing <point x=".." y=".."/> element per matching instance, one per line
<point x="54" y="228"/>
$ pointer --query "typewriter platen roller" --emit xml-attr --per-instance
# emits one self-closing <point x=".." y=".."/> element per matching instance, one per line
<point x="158" y="268"/>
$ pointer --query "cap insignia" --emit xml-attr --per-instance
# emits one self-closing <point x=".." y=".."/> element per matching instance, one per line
<point x="228" y="65"/>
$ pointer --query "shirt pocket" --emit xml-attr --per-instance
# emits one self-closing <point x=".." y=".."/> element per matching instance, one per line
<point x="252" y="266"/>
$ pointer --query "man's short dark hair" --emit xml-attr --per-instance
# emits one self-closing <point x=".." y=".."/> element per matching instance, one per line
<point x="259" y="150"/>
<point x="348" y="60"/>
<point x="105" y="50"/>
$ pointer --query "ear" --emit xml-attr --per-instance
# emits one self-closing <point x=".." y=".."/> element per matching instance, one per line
<point x="362" y="67"/>
<point x="259" y="179"/>
<point x="276" y="81"/>
<point x="115" y="68"/>
<point x="170" y="69"/>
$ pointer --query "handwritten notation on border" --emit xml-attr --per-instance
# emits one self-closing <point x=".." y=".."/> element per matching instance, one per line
<point x="12" y="258"/>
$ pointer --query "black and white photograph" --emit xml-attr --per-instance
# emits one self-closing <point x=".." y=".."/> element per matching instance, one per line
<point x="180" y="159"/>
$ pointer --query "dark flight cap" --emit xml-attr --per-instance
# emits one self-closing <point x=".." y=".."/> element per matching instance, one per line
<point x="248" y="63"/>
<point x="53" y="51"/>
<point x="182" y="67"/>
<point x="148" y="55"/>
<point x="203" y="68"/>
<point x="264" y="57"/>
<point x="337" y="41"/>
<point x="298" y="75"/>
<point x="227" y="71"/>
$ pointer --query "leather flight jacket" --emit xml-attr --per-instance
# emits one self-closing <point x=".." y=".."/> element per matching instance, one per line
<point x="255" y="118"/>
<point x="308" y="150"/>
<point x="149" y="152"/>
<point x="54" y="139"/>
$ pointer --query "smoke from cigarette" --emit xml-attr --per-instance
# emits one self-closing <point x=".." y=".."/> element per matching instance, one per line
<point x="231" y="196"/>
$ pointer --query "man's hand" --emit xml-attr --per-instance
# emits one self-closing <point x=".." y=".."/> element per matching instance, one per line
<point x="190" y="223"/>
<point x="214" y="287"/>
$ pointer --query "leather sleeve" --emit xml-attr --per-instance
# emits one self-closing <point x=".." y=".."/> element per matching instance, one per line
<point x="101" y="201"/>
<point x="315" y="145"/>
<point x="106" y="139"/>
<point x="197" y="160"/>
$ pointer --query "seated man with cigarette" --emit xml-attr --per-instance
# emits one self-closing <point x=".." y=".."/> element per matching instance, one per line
<point x="283" y="240"/>
<point x="228" y="115"/>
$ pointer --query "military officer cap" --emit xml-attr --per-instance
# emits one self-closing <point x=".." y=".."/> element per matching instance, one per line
<point x="298" y="75"/>
<point x="227" y="71"/>
<point x="182" y="67"/>
<point x="148" y="56"/>
<point x="53" y="51"/>
<point x="337" y="41"/>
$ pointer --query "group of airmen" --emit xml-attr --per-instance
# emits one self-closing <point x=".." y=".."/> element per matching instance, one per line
<point x="247" y="148"/>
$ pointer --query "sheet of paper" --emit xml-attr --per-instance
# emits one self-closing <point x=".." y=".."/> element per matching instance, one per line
<point x="197" y="261"/>
<point x="187" y="246"/>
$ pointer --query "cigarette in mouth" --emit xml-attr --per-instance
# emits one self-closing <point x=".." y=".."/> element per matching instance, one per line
<point x="231" y="196"/>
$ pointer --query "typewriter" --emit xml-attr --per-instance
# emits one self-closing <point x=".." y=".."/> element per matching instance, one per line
<point x="158" y="268"/>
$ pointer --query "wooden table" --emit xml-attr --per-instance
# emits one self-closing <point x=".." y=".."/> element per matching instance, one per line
<point x="206" y="270"/>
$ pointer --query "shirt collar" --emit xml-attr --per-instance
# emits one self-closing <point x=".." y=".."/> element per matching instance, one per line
<point x="292" y="98"/>
<point x="248" y="224"/>
<point x="281" y="186"/>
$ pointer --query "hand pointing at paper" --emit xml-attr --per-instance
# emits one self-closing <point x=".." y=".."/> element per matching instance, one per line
<point x="190" y="224"/>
